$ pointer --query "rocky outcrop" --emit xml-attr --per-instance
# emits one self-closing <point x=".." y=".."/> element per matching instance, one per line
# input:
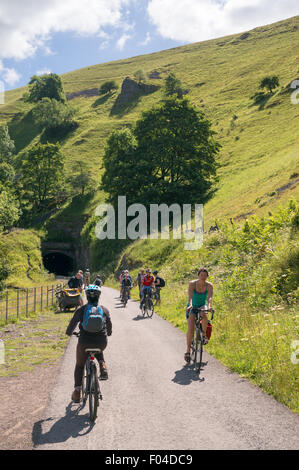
<point x="131" y="90"/>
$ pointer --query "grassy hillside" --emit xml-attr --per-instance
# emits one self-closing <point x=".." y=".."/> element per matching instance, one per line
<point x="259" y="156"/>
<point x="20" y="254"/>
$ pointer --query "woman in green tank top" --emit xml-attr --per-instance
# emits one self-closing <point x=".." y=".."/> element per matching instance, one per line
<point x="200" y="294"/>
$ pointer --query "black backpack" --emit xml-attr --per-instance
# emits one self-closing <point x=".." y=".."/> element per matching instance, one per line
<point x="162" y="282"/>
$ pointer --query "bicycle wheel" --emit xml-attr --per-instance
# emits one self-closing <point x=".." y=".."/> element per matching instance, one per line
<point x="93" y="393"/>
<point x="194" y="348"/>
<point x="85" y="384"/>
<point x="150" y="308"/>
<point x="200" y="346"/>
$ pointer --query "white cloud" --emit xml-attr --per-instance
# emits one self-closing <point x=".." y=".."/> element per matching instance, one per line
<point x="28" y="25"/>
<point x="198" y="20"/>
<point x="122" y="41"/>
<point x="10" y="76"/>
<point x="44" y="71"/>
<point x="146" y="40"/>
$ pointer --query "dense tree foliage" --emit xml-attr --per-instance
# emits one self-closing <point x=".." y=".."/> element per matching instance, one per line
<point x="173" y="86"/>
<point x="9" y="210"/>
<point x="42" y="176"/>
<point x="81" y="180"/>
<point x="46" y="86"/>
<point x="7" y="146"/>
<point x="54" y="115"/>
<point x="140" y="76"/>
<point x="108" y="87"/>
<point x="169" y="157"/>
<point x="270" y="83"/>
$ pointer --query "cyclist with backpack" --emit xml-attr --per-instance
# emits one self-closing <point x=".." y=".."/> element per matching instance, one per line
<point x="159" y="283"/>
<point x="94" y="325"/>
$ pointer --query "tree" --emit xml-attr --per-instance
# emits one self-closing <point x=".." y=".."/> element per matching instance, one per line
<point x="53" y="114"/>
<point x="108" y="87"/>
<point x="7" y="146"/>
<point x="270" y="83"/>
<point x="140" y="76"/>
<point x="121" y="175"/>
<point x="179" y="142"/>
<point x="46" y="86"/>
<point x="82" y="180"/>
<point x="9" y="210"/>
<point x="7" y="175"/>
<point x="173" y="86"/>
<point x="169" y="156"/>
<point x="42" y="176"/>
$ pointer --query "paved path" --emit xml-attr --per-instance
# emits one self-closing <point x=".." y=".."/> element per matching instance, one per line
<point x="152" y="400"/>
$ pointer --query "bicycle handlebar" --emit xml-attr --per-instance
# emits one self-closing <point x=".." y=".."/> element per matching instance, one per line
<point x="199" y="309"/>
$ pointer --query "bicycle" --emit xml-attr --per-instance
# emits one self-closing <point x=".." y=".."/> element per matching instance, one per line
<point x="125" y="295"/>
<point x="198" y="338"/>
<point x="90" y="382"/>
<point x="147" y="305"/>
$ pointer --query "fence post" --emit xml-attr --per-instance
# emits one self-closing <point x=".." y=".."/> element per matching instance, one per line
<point x="34" y="299"/>
<point x="6" y="313"/>
<point x="41" y="298"/>
<point x="18" y="302"/>
<point x="27" y="302"/>
<point x="47" y="296"/>
<point x="52" y="293"/>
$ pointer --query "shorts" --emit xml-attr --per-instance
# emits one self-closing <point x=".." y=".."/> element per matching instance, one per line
<point x="192" y="311"/>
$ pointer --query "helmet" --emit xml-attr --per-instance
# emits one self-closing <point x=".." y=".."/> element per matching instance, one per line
<point x="148" y="270"/>
<point x="155" y="272"/>
<point x="93" y="293"/>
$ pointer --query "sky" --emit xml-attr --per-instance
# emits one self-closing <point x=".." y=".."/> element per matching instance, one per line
<point x="58" y="36"/>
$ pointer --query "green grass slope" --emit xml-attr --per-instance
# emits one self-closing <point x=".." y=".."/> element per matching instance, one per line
<point x="20" y="254"/>
<point x="259" y="155"/>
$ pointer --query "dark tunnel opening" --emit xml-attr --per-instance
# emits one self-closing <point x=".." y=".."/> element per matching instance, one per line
<point x="59" y="263"/>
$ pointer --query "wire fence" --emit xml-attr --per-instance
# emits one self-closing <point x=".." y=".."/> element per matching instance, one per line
<point x="23" y="302"/>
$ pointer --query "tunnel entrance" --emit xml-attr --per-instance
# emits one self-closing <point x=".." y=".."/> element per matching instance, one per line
<point x="59" y="263"/>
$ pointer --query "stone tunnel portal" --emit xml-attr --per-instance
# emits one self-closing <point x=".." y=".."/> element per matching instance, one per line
<point x="59" y="263"/>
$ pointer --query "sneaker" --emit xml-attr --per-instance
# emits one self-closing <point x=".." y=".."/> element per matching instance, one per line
<point x="205" y="340"/>
<point x="76" y="396"/>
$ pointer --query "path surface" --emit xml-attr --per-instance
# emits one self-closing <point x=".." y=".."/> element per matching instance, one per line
<point x="152" y="400"/>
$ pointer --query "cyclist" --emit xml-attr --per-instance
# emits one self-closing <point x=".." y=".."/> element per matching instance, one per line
<point x="86" y="340"/>
<point x="87" y="278"/>
<point x="76" y="282"/>
<point x="127" y="282"/>
<point x="98" y="281"/>
<point x="157" y="284"/>
<point x="120" y="281"/>
<point x="200" y="294"/>
<point x="147" y="285"/>
<point x="139" y="279"/>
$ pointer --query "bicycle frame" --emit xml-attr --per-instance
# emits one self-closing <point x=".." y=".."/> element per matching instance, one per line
<point x="90" y="382"/>
<point x="198" y="339"/>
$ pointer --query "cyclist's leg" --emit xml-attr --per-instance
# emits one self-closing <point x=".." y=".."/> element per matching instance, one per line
<point x="81" y="357"/>
<point x="190" y="333"/>
<point x="204" y="325"/>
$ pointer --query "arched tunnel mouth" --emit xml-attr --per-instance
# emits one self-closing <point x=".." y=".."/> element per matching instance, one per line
<point x="58" y="263"/>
